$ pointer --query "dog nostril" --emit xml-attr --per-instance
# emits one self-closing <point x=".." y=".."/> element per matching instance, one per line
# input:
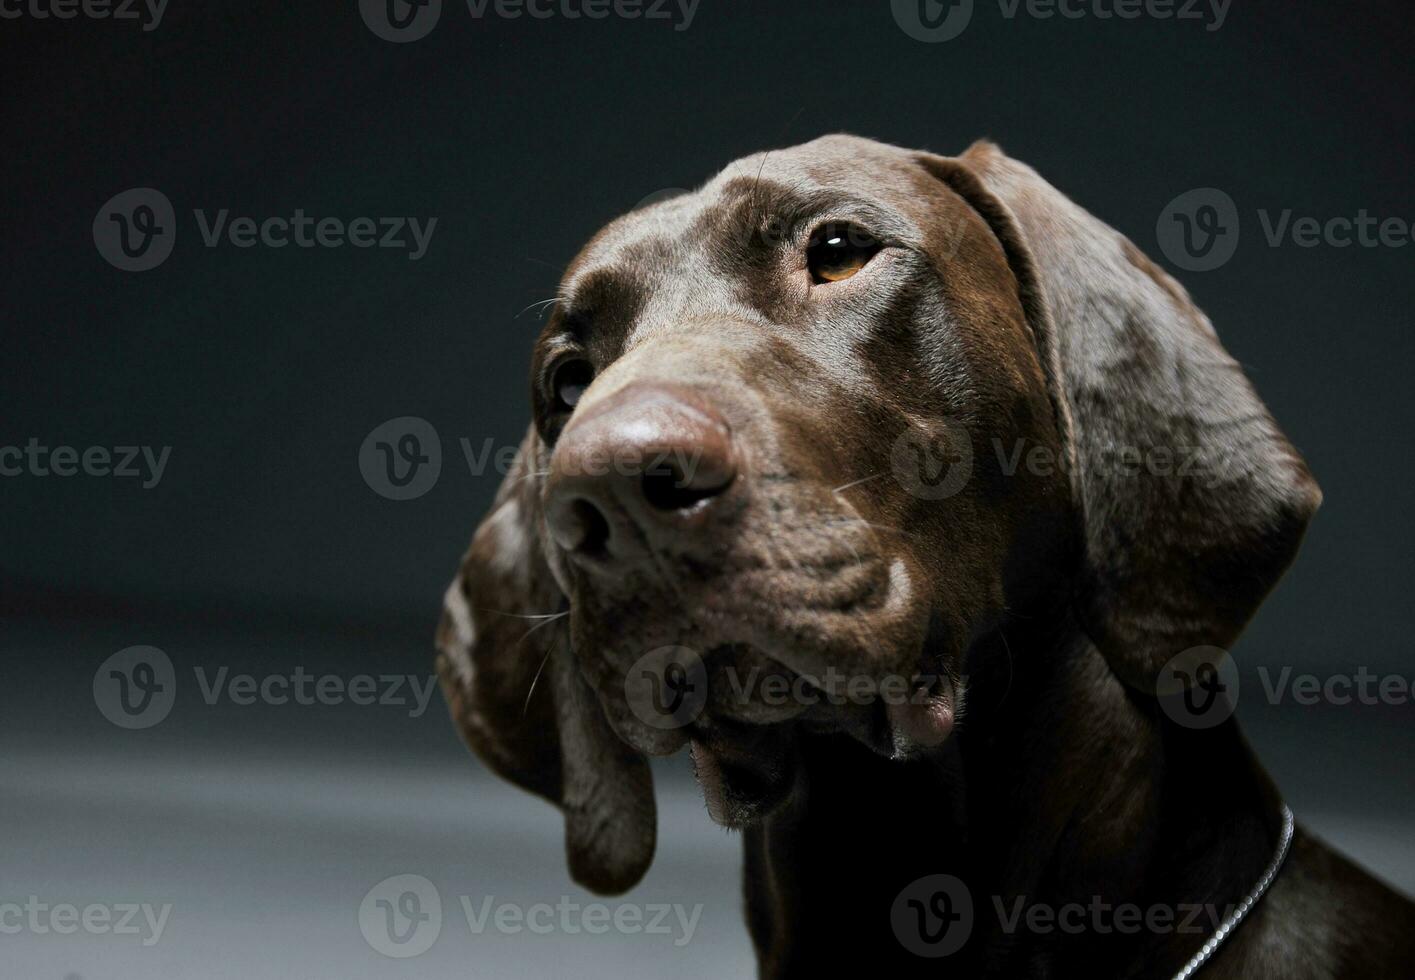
<point x="591" y="526"/>
<point x="667" y="487"/>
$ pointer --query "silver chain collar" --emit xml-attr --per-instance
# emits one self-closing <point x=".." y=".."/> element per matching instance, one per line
<point x="1236" y="917"/>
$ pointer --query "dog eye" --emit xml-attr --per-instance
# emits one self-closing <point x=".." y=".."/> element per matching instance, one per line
<point x="569" y="382"/>
<point x="837" y="252"/>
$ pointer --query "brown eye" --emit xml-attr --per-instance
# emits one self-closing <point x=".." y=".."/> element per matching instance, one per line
<point x="569" y="382"/>
<point x="837" y="252"/>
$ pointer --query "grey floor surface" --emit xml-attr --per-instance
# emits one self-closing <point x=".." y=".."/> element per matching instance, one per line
<point x="265" y="829"/>
<point x="266" y="868"/>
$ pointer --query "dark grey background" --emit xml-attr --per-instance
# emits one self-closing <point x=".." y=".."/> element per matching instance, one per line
<point x="262" y="546"/>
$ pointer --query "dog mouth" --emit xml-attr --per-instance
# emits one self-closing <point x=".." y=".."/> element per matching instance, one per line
<point x="738" y="656"/>
<point x="741" y="714"/>
<point x="747" y="770"/>
<point x="742" y="654"/>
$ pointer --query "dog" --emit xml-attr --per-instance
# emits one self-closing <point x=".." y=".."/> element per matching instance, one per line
<point x="848" y="442"/>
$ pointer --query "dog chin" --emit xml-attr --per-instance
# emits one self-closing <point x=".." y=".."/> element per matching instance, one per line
<point x="745" y="774"/>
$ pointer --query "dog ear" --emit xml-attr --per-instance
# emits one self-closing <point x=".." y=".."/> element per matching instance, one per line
<point x="519" y="699"/>
<point x="1193" y="501"/>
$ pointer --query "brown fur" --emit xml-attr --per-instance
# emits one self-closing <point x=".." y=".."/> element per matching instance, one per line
<point x="1043" y="601"/>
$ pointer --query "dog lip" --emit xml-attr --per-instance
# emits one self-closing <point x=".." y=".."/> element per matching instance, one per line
<point x="742" y="782"/>
<point x="927" y="722"/>
<point x="709" y="775"/>
<point x="635" y="732"/>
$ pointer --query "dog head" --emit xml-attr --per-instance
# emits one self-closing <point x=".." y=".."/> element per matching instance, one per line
<point x="804" y="436"/>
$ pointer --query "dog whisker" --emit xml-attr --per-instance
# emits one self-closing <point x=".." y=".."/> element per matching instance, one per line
<point x="870" y="524"/>
<point x="545" y="622"/>
<point x="532" y="475"/>
<point x="856" y="483"/>
<point x="752" y="196"/>
<point x="499" y="612"/>
<point x="871" y="528"/>
<point x="540" y="303"/>
<point x="526" y="705"/>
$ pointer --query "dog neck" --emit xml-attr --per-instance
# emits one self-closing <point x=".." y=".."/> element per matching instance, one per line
<point x="1061" y="794"/>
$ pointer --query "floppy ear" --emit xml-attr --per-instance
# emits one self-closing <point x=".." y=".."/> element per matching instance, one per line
<point x="517" y="695"/>
<point x="1193" y="501"/>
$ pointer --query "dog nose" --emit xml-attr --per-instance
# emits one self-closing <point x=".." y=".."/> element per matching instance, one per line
<point x="645" y="466"/>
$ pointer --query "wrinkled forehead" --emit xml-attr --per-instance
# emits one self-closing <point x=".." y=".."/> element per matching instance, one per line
<point x="711" y="242"/>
